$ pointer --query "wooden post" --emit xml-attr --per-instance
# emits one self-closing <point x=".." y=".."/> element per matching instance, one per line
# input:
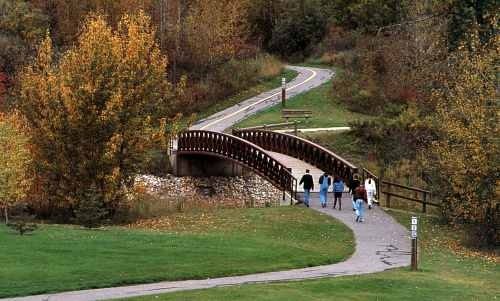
<point x="283" y="92"/>
<point x="424" y="204"/>
<point x="379" y="193"/>
<point x="295" y="129"/>
<point x="414" y="254"/>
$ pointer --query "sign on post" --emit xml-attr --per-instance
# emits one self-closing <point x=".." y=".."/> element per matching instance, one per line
<point x="414" y="223"/>
<point x="414" y="231"/>
<point x="283" y="91"/>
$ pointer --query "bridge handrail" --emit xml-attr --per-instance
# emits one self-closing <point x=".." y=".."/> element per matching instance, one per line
<point x="299" y="148"/>
<point x="238" y="150"/>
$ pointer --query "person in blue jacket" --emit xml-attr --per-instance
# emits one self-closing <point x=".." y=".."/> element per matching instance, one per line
<point x="324" y="183"/>
<point x="338" y="189"/>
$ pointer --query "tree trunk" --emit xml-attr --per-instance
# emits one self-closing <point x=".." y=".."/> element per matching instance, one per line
<point x="5" y="212"/>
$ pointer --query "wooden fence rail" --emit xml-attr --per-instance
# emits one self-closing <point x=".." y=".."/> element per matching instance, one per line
<point x="426" y="196"/>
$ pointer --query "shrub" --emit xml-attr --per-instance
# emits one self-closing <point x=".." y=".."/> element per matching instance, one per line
<point x="22" y="226"/>
<point x="91" y="211"/>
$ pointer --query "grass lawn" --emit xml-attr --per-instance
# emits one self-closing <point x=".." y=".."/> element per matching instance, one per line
<point x="263" y="86"/>
<point x="327" y="111"/>
<point x="187" y="246"/>
<point x="446" y="274"/>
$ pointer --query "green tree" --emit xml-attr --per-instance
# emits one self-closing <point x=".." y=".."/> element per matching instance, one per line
<point x="15" y="162"/>
<point x="299" y="27"/>
<point x="96" y="111"/>
<point x="287" y="28"/>
<point x="468" y="16"/>
<point x="21" y="28"/>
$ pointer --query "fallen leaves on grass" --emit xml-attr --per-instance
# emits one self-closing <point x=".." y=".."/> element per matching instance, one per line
<point x="193" y="222"/>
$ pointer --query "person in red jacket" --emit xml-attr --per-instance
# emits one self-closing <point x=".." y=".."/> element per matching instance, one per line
<point x="360" y="197"/>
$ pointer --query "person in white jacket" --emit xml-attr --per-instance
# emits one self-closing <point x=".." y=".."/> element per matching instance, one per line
<point x="371" y="190"/>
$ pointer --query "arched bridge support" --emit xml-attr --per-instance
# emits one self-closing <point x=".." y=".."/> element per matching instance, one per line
<point x="199" y="145"/>
<point x="200" y="165"/>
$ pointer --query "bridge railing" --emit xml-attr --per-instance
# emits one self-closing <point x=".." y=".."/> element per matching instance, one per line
<point x="299" y="148"/>
<point x="240" y="151"/>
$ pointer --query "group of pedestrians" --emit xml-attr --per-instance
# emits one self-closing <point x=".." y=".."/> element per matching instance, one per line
<point x="361" y="193"/>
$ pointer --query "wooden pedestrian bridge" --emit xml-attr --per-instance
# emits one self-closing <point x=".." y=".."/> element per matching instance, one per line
<point x="277" y="157"/>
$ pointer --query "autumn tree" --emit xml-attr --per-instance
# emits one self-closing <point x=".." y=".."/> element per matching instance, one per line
<point x="96" y="111"/>
<point x="15" y="161"/>
<point x="214" y="31"/>
<point x="66" y="16"/>
<point x="463" y="159"/>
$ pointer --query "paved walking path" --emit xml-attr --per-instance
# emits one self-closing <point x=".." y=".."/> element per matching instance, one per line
<point x="306" y="79"/>
<point x="381" y="244"/>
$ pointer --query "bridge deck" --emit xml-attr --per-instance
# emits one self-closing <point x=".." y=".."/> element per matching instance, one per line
<point x="299" y="168"/>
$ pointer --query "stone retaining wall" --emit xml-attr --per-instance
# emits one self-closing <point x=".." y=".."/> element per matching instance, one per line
<point x="249" y="190"/>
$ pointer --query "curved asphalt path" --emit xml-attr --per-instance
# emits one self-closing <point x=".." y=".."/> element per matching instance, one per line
<point x="381" y="243"/>
<point x="307" y="78"/>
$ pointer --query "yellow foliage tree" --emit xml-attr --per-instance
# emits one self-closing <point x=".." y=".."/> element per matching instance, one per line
<point x="95" y="113"/>
<point x="464" y="157"/>
<point x="214" y="30"/>
<point x="15" y="161"/>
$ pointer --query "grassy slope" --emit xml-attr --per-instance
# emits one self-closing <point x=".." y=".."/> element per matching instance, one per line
<point x="327" y="111"/>
<point x="199" y="245"/>
<point x="444" y="275"/>
<point x="263" y="86"/>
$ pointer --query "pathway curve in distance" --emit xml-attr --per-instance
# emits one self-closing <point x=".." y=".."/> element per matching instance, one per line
<point x="307" y="78"/>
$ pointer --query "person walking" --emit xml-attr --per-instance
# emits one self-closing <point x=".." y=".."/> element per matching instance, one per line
<point x="324" y="182"/>
<point x="371" y="191"/>
<point x="353" y="184"/>
<point x="308" y="182"/>
<point x="360" y="197"/>
<point x="338" y="189"/>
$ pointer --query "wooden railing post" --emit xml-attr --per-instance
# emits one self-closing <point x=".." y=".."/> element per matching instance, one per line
<point x="388" y="200"/>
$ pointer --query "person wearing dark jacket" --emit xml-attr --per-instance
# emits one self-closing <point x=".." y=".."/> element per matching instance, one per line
<point x="353" y="184"/>
<point x="308" y="182"/>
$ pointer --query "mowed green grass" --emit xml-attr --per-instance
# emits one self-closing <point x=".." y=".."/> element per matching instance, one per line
<point x="444" y="275"/>
<point x="326" y="110"/>
<point x="200" y="245"/>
